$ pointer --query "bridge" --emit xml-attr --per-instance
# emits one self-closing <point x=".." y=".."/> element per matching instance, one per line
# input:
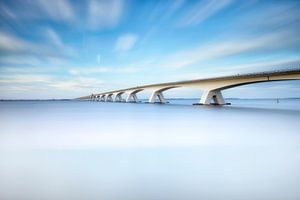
<point x="211" y="87"/>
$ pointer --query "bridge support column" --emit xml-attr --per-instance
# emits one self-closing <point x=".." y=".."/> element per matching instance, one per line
<point x="118" y="97"/>
<point x="159" y="95"/>
<point x="132" y="97"/>
<point x="109" y="98"/>
<point x="102" y="98"/>
<point x="214" y="95"/>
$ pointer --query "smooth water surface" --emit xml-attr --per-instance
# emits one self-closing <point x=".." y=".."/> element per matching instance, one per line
<point x="100" y="150"/>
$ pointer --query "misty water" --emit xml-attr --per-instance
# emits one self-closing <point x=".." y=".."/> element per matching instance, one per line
<point x="100" y="150"/>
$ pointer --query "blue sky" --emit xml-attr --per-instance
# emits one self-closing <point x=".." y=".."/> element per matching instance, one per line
<point x="65" y="49"/>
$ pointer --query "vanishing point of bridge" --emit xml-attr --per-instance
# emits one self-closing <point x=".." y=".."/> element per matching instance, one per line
<point x="211" y="87"/>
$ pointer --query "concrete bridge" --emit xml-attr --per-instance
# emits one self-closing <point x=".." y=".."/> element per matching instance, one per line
<point x="211" y="87"/>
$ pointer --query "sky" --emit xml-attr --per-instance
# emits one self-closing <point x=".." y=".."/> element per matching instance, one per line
<point x="67" y="49"/>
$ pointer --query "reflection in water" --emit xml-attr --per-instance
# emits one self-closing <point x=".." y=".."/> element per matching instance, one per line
<point x="94" y="150"/>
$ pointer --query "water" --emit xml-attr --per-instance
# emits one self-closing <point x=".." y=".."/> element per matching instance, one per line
<point x="94" y="150"/>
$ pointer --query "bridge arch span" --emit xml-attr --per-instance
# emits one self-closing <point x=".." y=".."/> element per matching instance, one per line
<point x="109" y="97"/>
<point x="118" y="96"/>
<point x="159" y="94"/>
<point x="132" y="95"/>
<point x="214" y="93"/>
<point x="102" y="97"/>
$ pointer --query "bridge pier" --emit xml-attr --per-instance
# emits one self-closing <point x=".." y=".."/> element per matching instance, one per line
<point x="109" y="98"/>
<point x="102" y="98"/>
<point x="214" y="95"/>
<point x="118" y="97"/>
<point x="132" y="97"/>
<point x="159" y="95"/>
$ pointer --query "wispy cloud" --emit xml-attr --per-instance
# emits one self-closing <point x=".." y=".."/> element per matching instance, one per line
<point x="9" y="43"/>
<point x="101" y="70"/>
<point x="258" y="65"/>
<point x="104" y="14"/>
<point x="6" y="12"/>
<point x="18" y="46"/>
<point x="77" y="83"/>
<point x="129" y="68"/>
<point x="38" y="81"/>
<point x="219" y="49"/>
<point x="53" y="37"/>
<point x="55" y="40"/>
<point x="164" y="9"/>
<point x="202" y="11"/>
<point x="126" y="42"/>
<point x="234" y="68"/>
<point x="24" y="60"/>
<point x="267" y="18"/>
<point x="175" y="6"/>
<point x="57" y="10"/>
<point x="13" y="79"/>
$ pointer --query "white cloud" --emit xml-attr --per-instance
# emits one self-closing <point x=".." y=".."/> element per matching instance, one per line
<point x="229" y="48"/>
<point x="53" y="37"/>
<point x="77" y="83"/>
<point x="19" y="60"/>
<point x="164" y="10"/>
<point x="258" y="65"/>
<point x="280" y="15"/>
<point x="18" y="46"/>
<point x="129" y="68"/>
<point x="251" y="66"/>
<point x="104" y="14"/>
<point x="89" y="70"/>
<point x="55" y="40"/>
<point x="12" y="44"/>
<point x="22" y="79"/>
<point x="40" y="81"/>
<point x="175" y="5"/>
<point x="7" y="12"/>
<point x="202" y="11"/>
<point x="57" y="9"/>
<point x="99" y="70"/>
<point x="126" y="42"/>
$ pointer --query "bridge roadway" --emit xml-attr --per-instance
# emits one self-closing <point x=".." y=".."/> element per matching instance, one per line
<point x="211" y="87"/>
